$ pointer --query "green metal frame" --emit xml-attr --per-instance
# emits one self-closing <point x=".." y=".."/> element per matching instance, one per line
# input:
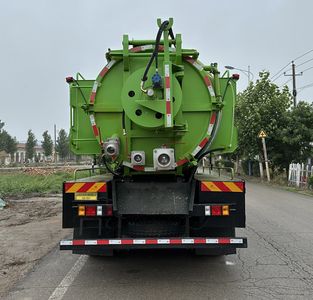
<point x="191" y="104"/>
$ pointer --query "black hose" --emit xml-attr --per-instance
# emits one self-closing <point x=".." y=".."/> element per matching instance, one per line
<point x="171" y="33"/>
<point x="206" y="152"/>
<point x="123" y="121"/>
<point x="154" y="54"/>
<point x="109" y="168"/>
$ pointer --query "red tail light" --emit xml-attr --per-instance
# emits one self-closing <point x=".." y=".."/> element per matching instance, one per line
<point x="69" y="79"/>
<point x="91" y="210"/>
<point x="109" y="210"/>
<point x="216" y="210"/>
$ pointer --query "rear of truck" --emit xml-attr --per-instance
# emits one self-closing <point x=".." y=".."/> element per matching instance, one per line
<point x="150" y="117"/>
<point x="108" y="215"/>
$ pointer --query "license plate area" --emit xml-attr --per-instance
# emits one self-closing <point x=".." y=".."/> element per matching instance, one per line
<point x="86" y="196"/>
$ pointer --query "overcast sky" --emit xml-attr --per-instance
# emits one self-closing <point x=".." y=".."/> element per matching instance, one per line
<point x="42" y="42"/>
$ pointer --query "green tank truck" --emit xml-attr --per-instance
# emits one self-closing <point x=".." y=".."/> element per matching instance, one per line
<point x="150" y="116"/>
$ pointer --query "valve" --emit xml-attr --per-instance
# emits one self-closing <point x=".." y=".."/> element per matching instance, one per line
<point x="157" y="81"/>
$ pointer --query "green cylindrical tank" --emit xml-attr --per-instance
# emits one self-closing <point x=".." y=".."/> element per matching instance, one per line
<point x="181" y="111"/>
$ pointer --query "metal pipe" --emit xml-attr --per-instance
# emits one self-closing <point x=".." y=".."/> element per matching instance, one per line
<point x="117" y="53"/>
<point x="149" y="42"/>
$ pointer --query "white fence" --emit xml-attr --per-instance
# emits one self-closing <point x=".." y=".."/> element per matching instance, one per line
<point x="299" y="175"/>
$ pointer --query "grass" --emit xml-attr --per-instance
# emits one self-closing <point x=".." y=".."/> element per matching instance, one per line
<point x="22" y="184"/>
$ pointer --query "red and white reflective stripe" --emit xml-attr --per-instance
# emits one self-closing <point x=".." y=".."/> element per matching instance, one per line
<point x="181" y="162"/>
<point x="152" y="241"/>
<point x="194" y="63"/>
<point x="141" y="48"/>
<point x="93" y="97"/>
<point x="93" y="92"/>
<point x="209" y="85"/>
<point x="107" y="68"/>
<point x="212" y="122"/>
<point x="206" y="78"/>
<point x="200" y="146"/>
<point x="94" y="126"/>
<point x="138" y="168"/>
<point x="168" y="95"/>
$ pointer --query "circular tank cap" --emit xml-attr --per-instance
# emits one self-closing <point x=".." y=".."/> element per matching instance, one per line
<point x="164" y="159"/>
<point x="138" y="158"/>
<point x="150" y="92"/>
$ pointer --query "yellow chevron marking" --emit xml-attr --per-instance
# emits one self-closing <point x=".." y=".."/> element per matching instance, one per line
<point x="211" y="186"/>
<point x="233" y="187"/>
<point x="75" y="187"/>
<point x="97" y="186"/>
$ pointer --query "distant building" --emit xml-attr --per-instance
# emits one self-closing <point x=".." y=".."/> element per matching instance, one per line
<point x="20" y="154"/>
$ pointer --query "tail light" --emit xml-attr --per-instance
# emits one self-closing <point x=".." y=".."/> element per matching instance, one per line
<point x="69" y="79"/>
<point x="216" y="210"/>
<point x="225" y="210"/>
<point x="109" y="210"/>
<point x="95" y="210"/>
<point x="81" y="210"/>
<point x="91" y="211"/>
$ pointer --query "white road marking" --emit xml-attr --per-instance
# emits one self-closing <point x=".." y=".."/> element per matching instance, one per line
<point x="66" y="282"/>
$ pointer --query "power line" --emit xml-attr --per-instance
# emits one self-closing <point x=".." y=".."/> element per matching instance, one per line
<point x="286" y="82"/>
<point x="305" y="62"/>
<point x="281" y="74"/>
<point x="282" y="69"/>
<point x="303" y="54"/>
<point x="306" y="86"/>
<point x="306" y="69"/>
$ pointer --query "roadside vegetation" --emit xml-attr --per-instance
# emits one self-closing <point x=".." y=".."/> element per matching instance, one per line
<point x="263" y="105"/>
<point x="21" y="184"/>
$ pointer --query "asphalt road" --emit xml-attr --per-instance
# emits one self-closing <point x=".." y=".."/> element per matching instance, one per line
<point x="278" y="263"/>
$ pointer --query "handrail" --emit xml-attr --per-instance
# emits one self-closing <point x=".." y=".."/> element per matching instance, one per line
<point x="91" y="170"/>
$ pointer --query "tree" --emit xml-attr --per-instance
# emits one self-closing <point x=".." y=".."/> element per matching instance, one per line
<point x="7" y="142"/>
<point x="30" y="145"/>
<point x="62" y="145"/>
<point x="11" y="146"/>
<point x="296" y="137"/>
<point x="262" y="106"/>
<point x="47" y="143"/>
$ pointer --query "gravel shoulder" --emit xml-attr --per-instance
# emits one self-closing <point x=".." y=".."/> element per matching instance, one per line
<point x="29" y="229"/>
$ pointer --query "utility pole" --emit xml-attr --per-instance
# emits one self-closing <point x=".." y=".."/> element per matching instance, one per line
<point x="262" y="135"/>
<point x="266" y="161"/>
<point x="294" y="89"/>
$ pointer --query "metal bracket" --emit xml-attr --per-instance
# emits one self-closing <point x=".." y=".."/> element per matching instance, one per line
<point x="125" y="52"/>
<point x="170" y="23"/>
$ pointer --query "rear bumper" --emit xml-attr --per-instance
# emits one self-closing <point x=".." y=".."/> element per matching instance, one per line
<point x="153" y="243"/>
